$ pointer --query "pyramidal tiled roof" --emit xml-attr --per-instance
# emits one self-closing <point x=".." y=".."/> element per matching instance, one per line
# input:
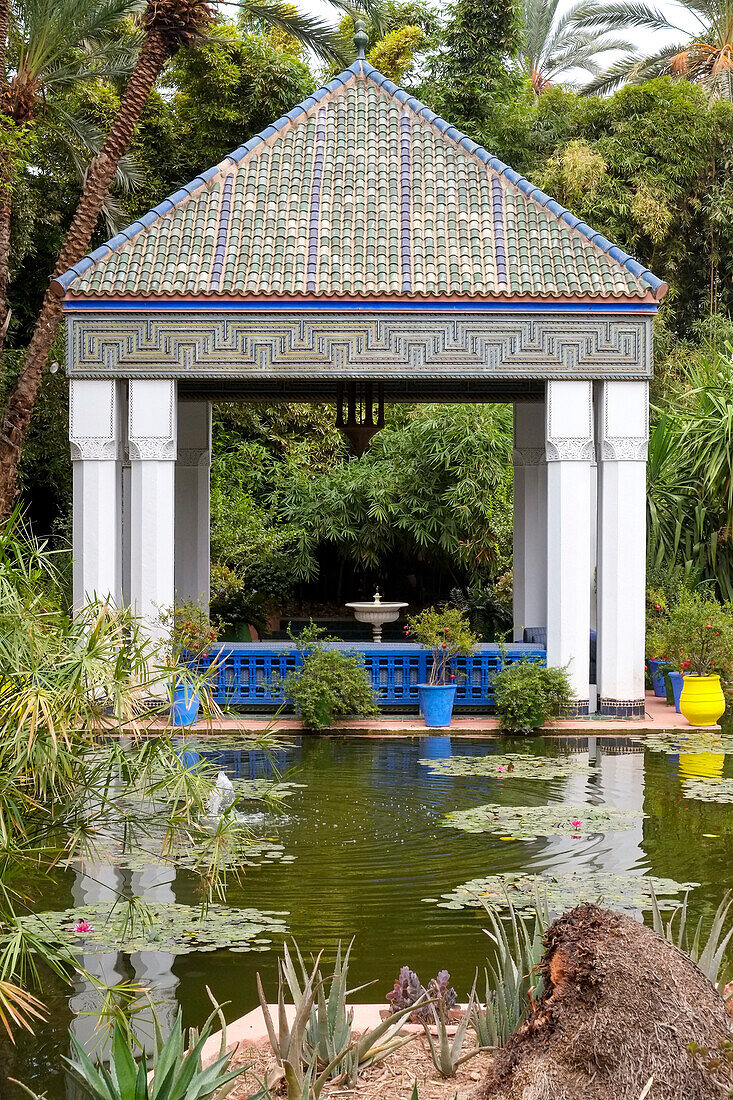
<point x="360" y="192"/>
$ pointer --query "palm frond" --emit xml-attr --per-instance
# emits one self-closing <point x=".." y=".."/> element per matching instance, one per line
<point x="631" y="69"/>
<point x="621" y="16"/>
<point x="317" y="34"/>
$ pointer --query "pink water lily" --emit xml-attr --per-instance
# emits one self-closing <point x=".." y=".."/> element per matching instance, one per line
<point x="500" y="767"/>
<point x="82" y="926"/>
<point x="576" y="824"/>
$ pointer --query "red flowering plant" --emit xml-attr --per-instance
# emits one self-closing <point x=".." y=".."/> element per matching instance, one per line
<point x="192" y="632"/>
<point x="697" y="635"/>
<point x="447" y="634"/>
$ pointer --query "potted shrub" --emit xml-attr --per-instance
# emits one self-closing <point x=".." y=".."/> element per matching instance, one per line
<point x="328" y="682"/>
<point x="447" y="634"/>
<point x="192" y="632"/>
<point x="698" y="639"/>
<point x="527" y="694"/>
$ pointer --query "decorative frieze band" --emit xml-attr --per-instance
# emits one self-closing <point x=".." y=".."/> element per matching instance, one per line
<point x="361" y="344"/>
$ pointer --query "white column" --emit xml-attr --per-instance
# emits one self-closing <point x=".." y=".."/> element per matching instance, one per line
<point x="152" y="442"/>
<point x="192" y="502"/>
<point x="94" y="434"/>
<point x="570" y="454"/>
<point x="623" y="424"/>
<point x="530" y="518"/>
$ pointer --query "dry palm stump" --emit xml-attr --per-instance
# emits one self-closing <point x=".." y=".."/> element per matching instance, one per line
<point x="620" y="1005"/>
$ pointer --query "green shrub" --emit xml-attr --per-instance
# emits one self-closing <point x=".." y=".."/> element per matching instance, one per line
<point x="527" y="694"/>
<point x="697" y="635"/>
<point x="329" y="682"/>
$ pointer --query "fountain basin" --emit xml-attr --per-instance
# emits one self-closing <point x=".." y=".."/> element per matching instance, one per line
<point x="376" y="613"/>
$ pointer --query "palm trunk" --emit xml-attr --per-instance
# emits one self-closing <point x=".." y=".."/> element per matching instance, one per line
<point x="6" y="177"/>
<point x="19" y="406"/>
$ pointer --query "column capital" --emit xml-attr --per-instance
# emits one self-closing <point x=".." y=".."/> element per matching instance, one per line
<point x="94" y="420"/>
<point x="152" y="420"/>
<point x="528" y="456"/>
<point x="194" y="456"/>
<point x="623" y="421"/>
<point x="569" y="422"/>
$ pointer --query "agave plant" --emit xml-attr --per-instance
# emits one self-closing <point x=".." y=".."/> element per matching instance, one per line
<point x="320" y="1042"/>
<point x="707" y="952"/>
<point x="448" y="1054"/>
<point x="510" y="980"/>
<point x="178" y="1072"/>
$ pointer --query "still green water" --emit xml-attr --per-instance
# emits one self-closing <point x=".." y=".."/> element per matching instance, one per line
<point x="365" y="830"/>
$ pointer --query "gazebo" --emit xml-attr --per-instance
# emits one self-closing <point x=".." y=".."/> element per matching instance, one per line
<point x="358" y="240"/>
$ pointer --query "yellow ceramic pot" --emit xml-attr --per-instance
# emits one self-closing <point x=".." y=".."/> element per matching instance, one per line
<point x="702" y="701"/>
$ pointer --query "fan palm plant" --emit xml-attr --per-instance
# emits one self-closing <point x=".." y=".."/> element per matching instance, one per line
<point x="554" y="45"/>
<point x="167" y="25"/>
<point x="703" y="54"/>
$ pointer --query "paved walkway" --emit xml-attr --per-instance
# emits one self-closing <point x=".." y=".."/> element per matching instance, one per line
<point x="659" y="716"/>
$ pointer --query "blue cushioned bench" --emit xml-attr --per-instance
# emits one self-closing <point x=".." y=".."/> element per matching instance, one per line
<point x="248" y="671"/>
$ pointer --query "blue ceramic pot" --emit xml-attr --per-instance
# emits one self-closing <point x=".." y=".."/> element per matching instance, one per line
<point x="186" y="703"/>
<point x="677" y="681"/>
<point x="436" y="703"/>
<point x="657" y="677"/>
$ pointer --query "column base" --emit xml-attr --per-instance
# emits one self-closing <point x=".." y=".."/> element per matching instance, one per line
<point x="623" y="708"/>
<point x="579" y="708"/>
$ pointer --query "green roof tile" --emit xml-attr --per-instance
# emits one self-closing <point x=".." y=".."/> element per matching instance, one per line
<point x="358" y="195"/>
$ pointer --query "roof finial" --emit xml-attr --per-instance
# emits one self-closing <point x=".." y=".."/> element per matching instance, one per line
<point x="361" y="39"/>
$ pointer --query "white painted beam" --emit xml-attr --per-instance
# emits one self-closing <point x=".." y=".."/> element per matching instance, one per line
<point x="623" y="425"/>
<point x="530" y="518"/>
<point x="193" y="466"/>
<point x="152" y="424"/>
<point x="94" y="435"/>
<point x="570" y="454"/>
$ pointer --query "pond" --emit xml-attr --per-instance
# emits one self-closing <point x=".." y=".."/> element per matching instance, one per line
<point x="370" y="853"/>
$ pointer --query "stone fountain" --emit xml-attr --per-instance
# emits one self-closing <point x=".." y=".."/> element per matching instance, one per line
<point x="376" y="613"/>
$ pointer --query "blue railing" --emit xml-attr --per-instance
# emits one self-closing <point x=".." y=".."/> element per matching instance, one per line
<point x="248" y="672"/>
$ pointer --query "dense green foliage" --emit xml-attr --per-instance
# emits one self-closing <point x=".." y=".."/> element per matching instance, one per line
<point x="428" y="508"/>
<point x="327" y="682"/>
<point x="527" y="694"/>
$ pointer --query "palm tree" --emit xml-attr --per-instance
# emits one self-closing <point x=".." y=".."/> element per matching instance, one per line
<point x="553" y="46"/>
<point x="52" y="49"/>
<point x="167" y="26"/>
<point x="703" y="55"/>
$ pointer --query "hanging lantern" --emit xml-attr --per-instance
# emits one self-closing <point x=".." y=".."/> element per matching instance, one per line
<point x="364" y="403"/>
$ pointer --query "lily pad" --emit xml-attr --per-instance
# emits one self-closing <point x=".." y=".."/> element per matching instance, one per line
<point x="259" y="789"/>
<point x="565" y="890"/>
<point x="530" y="822"/>
<point x="238" y="851"/>
<point x="512" y="765"/>
<point x="164" y="926"/>
<point x="692" y="742"/>
<point x="709" y="790"/>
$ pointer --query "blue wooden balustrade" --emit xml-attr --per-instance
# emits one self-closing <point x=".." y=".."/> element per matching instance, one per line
<point x="248" y="672"/>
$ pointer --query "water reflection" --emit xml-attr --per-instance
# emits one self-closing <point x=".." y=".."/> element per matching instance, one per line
<point x="369" y="845"/>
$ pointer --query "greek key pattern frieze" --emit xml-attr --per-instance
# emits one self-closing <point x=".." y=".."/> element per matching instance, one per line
<point x="359" y="345"/>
